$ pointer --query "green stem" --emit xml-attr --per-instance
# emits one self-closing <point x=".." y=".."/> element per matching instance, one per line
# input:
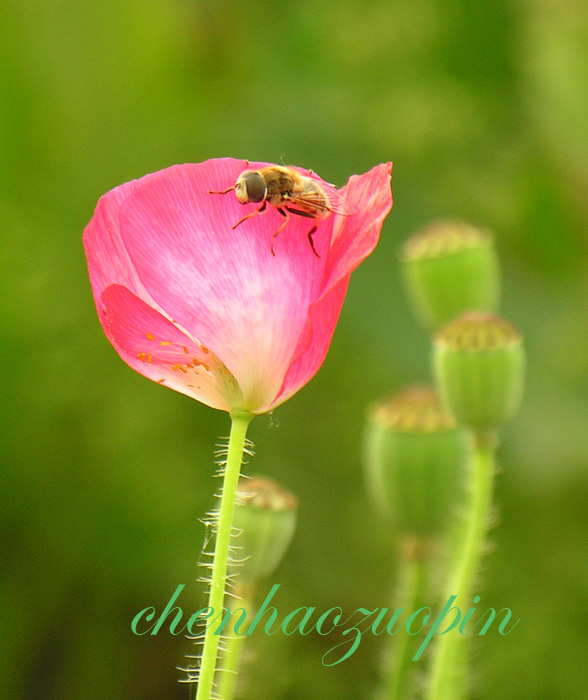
<point x="239" y="423"/>
<point x="231" y="659"/>
<point x="398" y="656"/>
<point x="444" y="672"/>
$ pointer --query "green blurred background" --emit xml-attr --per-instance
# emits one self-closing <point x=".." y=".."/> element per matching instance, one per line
<point x="483" y="107"/>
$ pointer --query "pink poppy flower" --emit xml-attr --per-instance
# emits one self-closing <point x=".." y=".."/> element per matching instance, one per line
<point x="206" y="309"/>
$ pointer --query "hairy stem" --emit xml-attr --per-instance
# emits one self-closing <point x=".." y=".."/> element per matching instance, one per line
<point x="231" y="659"/>
<point x="395" y="684"/>
<point x="444" y="676"/>
<point x="239" y="423"/>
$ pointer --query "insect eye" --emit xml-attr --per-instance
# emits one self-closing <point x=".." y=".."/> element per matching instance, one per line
<point x="256" y="189"/>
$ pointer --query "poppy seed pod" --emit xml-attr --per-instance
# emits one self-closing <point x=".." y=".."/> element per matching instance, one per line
<point x="263" y="526"/>
<point x="413" y="460"/>
<point x="479" y="364"/>
<point x="450" y="267"/>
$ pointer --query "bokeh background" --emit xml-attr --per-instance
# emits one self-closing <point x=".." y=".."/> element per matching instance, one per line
<point x="104" y="475"/>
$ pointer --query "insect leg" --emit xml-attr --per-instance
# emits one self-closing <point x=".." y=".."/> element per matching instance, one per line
<point x="307" y="214"/>
<point x="310" y="235"/>
<point x="230" y="189"/>
<point x="282" y="227"/>
<point x="312" y="230"/>
<point x="249" y="216"/>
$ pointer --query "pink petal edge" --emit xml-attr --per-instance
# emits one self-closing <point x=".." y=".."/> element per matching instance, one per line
<point x="150" y="344"/>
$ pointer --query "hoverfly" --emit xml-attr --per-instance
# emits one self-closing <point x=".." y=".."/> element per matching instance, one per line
<point x="288" y="192"/>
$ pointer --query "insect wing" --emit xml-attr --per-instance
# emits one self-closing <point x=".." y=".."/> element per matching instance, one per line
<point x="320" y="197"/>
<point x="337" y="204"/>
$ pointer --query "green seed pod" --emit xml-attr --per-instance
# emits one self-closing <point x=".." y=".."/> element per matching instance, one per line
<point x="263" y="525"/>
<point x="413" y="458"/>
<point x="450" y="267"/>
<point x="479" y="364"/>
